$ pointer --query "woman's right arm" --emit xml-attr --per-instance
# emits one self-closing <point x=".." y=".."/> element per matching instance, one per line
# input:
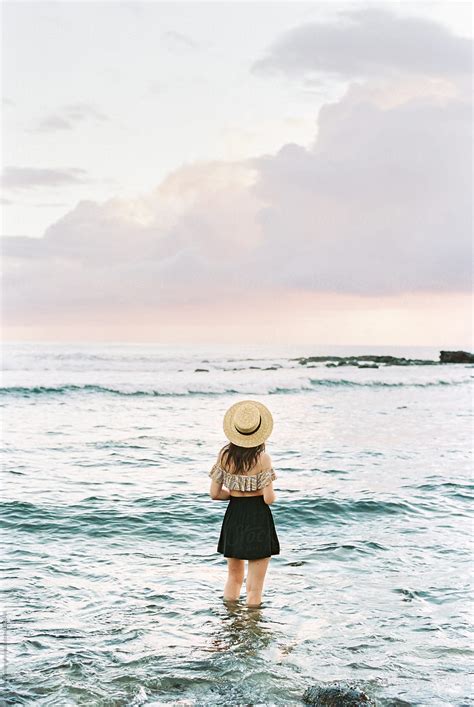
<point x="216" y="492"/>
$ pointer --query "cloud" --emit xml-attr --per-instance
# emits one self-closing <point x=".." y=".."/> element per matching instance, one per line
<point x="15" y="178"/>
<point x="178" y="244"/>
<point x="178" y="41"/>
<point x="379" y="205"/>
<point x="368" y="43"/>
<point x="68" y="117"/>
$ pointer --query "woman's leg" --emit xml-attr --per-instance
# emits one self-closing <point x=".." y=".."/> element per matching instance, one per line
<point x="255" y="579"/>
<point x="235" y="577"/>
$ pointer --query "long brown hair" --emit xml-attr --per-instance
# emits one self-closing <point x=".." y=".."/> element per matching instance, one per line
<point x="241" y="458"/>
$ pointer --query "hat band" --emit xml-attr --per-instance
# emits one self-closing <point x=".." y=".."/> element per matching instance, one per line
<point x="253" y="431"/>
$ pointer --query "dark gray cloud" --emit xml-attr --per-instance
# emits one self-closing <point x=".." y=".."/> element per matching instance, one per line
<point x="15" y="178"/>
<point x="369" y="42"/>
<point x="68" y="117"/>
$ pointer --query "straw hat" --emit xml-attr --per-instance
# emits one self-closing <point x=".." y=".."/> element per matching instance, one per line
<point x="248" y="423"/>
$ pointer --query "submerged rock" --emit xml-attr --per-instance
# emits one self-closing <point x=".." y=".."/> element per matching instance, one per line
<point x="336" y="696"/>
<point x="456" y="357"/>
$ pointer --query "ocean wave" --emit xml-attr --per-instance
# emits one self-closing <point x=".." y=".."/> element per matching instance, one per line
<point x="462" y="491"/>
<point x="176" y="518"/>
<point x="29" y="391"/>
<point x="303" y="387"/>
<point x="314" y="511"/>
<point x="384" y="384"/>
<point x="358" y="546"/>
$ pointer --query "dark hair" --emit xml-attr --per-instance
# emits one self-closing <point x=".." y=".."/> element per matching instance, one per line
<point x="242" y="458"/>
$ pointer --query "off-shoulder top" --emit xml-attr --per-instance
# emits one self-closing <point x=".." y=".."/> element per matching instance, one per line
<point x="242" y="482"/>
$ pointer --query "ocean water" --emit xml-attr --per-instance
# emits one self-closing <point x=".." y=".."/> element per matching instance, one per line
<point x="112" y="583"/>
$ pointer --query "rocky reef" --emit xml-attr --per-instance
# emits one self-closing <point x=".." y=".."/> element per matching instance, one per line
<point x="374" y="361"/>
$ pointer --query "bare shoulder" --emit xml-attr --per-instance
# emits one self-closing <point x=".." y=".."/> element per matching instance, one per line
<point x="265" y="461"/>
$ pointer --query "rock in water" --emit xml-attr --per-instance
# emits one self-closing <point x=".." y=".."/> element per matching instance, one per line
<point x="336" y="696"/>
<point x="456" y="357"/>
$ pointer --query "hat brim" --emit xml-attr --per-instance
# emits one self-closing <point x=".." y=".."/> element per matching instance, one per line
<point x="257" y="437"/>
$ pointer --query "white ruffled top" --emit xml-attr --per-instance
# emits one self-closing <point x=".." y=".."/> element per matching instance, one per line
<point x="242" y="482"/>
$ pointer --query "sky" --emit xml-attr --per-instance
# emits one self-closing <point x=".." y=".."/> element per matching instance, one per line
<point x="199" y="172"/>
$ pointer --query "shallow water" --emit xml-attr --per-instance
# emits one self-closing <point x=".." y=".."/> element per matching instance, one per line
<point x="114" y="584"/>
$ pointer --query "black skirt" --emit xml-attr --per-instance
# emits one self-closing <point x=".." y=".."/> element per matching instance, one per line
<point x="248" y="531"/>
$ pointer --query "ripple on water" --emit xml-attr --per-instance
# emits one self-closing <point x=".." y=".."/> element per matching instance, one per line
<point x="115" y="583"/>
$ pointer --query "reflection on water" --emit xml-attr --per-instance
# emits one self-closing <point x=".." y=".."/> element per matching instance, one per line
<point x="242" y="630"/>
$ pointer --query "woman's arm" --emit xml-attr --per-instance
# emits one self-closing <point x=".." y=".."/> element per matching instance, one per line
<point x="268" y="491"/>
<point x="217" y="492"/>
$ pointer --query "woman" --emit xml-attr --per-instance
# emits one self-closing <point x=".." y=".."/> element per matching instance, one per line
<point x="245" y="471"/>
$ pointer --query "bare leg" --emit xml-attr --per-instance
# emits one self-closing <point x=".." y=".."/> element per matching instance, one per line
<point x="255" y="579"/>
<point x="235" y="577"/>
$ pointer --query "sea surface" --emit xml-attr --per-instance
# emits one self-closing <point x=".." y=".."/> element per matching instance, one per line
<point x="112" y="583"/>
